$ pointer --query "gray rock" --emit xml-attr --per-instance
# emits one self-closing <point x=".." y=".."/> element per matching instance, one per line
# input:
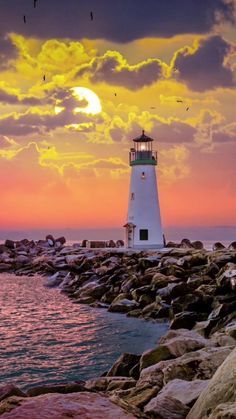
<point x="166" y="408"/>
<point x="221" y="389"/>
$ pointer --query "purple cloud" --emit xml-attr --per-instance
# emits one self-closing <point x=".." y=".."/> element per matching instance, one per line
<point x="205" y="68"/>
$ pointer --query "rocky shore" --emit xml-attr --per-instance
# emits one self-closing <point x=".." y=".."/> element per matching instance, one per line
<point x="191" y="372"/>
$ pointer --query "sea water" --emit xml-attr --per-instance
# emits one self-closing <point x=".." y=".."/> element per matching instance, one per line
<point x="46" y="338"/>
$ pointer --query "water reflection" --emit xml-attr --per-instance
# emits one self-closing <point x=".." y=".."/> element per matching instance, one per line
<point x="47" y="339"/>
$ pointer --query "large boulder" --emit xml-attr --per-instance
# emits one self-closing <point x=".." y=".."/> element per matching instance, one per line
<point x="174" y="344"/>
<point x="63" y="388"/>
<point x="200" y="364"/>
<point x="186" y="392"/>
<point x="9" y="390"/>
<point x="166" y="408"/>
<point x="123" y="365"/>
<point x="224" y="411"/>
<point x="84" y="405"/>
<point x="221" y="389"/>
<point x="122" y="304"/>
<point x="102" y="383"/>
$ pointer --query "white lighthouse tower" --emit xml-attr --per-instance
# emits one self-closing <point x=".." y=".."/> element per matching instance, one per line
<point x="143" y="227"/>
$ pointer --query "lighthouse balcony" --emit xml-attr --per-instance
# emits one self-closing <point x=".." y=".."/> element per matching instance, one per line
<point x="142" y="157"/>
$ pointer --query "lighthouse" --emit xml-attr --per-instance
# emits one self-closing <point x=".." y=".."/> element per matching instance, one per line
<point x="143" y="227"/>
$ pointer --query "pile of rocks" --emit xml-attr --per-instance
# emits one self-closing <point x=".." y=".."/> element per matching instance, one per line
<point x="191" y="372"/>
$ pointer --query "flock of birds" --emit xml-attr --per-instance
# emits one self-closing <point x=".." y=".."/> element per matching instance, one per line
<point x="115" y="94"/>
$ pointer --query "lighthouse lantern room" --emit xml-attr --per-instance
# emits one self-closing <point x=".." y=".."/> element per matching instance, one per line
<point x="143" y="227"/>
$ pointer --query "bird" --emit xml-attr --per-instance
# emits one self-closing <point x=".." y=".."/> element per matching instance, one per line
<point x="179" y="101"/>
<point x="115" y="94"/>
<point x="24" y="19"/>
<point x="91" y="15"/>
<point x="187" y="109"/>
<point x="152" y="107"/>
<point x="44" y="77"/>
<point x="35" y="1"/>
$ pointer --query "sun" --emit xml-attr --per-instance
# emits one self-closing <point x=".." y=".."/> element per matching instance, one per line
<point x="94" y="105"/>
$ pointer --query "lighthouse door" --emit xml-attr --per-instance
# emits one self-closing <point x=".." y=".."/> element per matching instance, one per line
<point x="130" y="236"/>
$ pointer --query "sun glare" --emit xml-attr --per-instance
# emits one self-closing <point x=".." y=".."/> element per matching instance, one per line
<point x="94" y="105"/>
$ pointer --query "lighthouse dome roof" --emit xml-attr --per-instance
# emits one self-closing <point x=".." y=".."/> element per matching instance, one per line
<point x="142" y="138"/>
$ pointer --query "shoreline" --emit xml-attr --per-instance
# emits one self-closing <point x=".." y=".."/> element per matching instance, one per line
<point x="193" y="288"/>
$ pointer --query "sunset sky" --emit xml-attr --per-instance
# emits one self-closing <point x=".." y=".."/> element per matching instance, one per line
<point x="64" y="151"/>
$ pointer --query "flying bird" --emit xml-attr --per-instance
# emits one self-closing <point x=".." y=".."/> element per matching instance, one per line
<point x="179" y="101"/>
<point x="187" y="109"/>
<point x="44" y="77"/>
<point x="24" y="19"/>
<point x="35" y="1"/>
<point x="152" y="107"/>
<point x="115" y="94"/>
<point x="91" y="15"/>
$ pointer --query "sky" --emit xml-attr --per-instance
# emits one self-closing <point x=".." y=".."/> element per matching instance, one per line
<point x="168" y="67"/>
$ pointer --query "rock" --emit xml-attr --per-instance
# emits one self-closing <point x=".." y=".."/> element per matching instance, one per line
<point x="50" y="240"/>
<point x="204" y="328"/>
<point x="196" y="259"/>
<point x="218" y="246"/>
<point x="172" y="345"/>
<point x="54" y="280"/>
<point x="221" y="389"/>
<point x="123" y="365"/>
<point x="221" y="339"/>
<point x="153" y="356"/>
<point x="110" y="243"/>
<point x="63" y="388"/>
<point x="186" y="392"/>
<point x="166" y="408"/>
<point x="182" y="341"/>
<point x="227" y="278"/>
<point x="224" y="411"/>
<point x="93" y="289"/>
<point x="139" y="396"/>
<point x="232" y="246"/>
<point x="10" y="244"/>
<point x="120" y="243"/>
<point x="197" y="245"/>
<point x="74" y="405"/>
<point x="159" y="281"/>
<point x="200" y="364"/>
<point x="102" y="383"/>
<point x="184" y="320"/>
<point x="9" y="390"/>
<point x="5" y="267"/>
<point x="222" y="310"/>
<point x="60" y="240"/>
<point x="230" y="329"/>
<point x="172" y="291"/>
<point x="122" y="305"/>
<point x="186" y="243"/>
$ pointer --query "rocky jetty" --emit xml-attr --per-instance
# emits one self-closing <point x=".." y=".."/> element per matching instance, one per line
<point x="193" y="367"/>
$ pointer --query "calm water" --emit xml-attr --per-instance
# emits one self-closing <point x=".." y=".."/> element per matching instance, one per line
<point x="45" y="338"/>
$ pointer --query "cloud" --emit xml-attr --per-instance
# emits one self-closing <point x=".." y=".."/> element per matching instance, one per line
<point x="205" y="66"/>
<point x="40" y="121"/>
<point x="116" y="21"/>
<point x="226" y="133"/>
<point x="6" y="142"/>
<point x="8" y="52"/>
<point x="14" y="99"/>
<point x="112" y="68"/>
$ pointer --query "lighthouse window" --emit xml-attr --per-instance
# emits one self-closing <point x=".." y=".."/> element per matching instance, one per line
<point x="132" y="196"/>
<point x="143" y="234"/>
<point x="143" y="175"/>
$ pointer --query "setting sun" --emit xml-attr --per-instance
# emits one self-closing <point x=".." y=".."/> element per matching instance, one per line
<point x="94" y="105"/>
